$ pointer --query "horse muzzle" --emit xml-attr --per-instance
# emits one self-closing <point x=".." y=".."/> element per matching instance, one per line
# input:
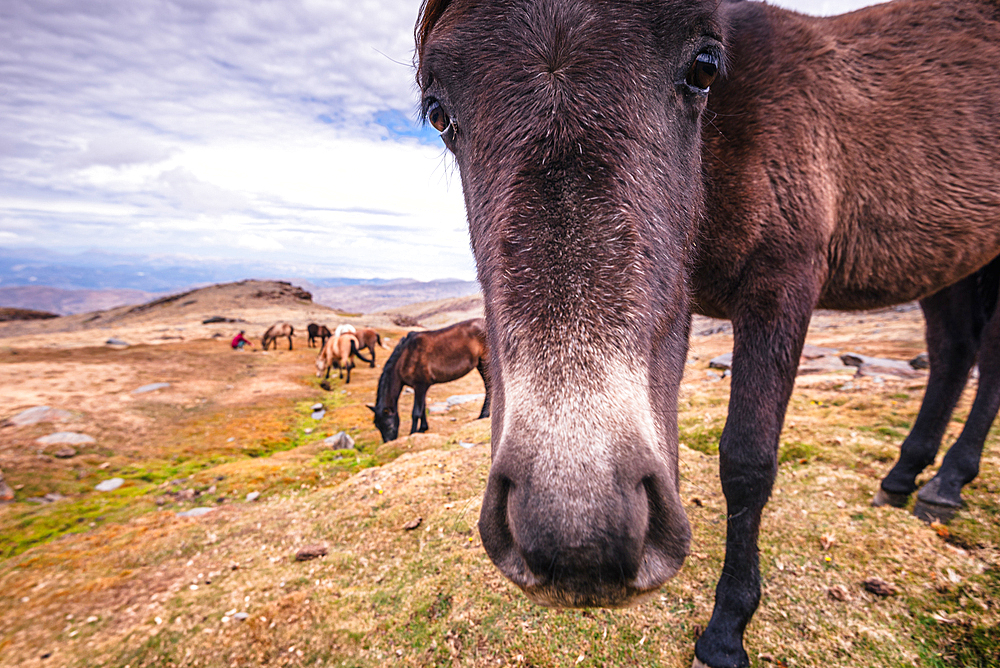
<point x="606" y="538"/>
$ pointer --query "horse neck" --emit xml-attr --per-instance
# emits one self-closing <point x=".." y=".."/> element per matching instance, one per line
<point x="390" y="383"/>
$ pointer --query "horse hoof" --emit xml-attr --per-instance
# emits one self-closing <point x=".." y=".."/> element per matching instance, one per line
<point x="933" y="512"/>
<point x="884" y="498"/>
<point x="933" y="506"/>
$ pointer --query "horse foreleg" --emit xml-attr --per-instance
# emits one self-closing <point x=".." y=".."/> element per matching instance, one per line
<point x="768" y="337"/>
<point x="289" y="342"/>
<point x="484" y="372"/>
<point x="419" y="423"/>
<point x="372" y="349"/>
<point x="941" y="498"/>
<point x="951" y="348"/>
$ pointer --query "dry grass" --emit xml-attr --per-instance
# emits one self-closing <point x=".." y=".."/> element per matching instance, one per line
<point x="159" y="587"/>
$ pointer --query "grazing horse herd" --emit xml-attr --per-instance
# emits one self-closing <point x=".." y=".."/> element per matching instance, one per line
<point x="627" y="163"/>
<point x="420" y="359"/>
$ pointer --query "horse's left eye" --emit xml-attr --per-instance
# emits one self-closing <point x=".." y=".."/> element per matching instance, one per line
<point x="438" y="117"/>
<point x="703" y="71"/>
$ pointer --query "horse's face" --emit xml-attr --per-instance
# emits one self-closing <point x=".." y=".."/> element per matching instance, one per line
<point x="576" y="128"/>
<point x="387" y="422"/>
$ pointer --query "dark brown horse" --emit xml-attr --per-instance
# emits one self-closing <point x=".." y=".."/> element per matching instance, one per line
<point x="275" y="331"/>
<point x="422" y="359"/>
<point x="316" y="331"/>
<point x="626" y="162"/>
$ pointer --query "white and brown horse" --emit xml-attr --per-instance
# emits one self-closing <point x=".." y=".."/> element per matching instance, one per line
<point x="339" y="352"/>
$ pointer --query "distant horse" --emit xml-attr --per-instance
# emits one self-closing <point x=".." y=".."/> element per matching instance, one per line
<point x="276" y="330"/>
<point x="369" y="338"/>
<point x="318" y="331"/>
<point x="339" y="352"/>
<point x="625" y="163"/>
<point x="422" y="359"/>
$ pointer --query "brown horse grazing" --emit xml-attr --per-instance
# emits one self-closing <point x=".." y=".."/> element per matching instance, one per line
<point x="422" y="359"/>
<point x="369" y="338"/>
<point x="317" y="332"/>
<point x="626" y="162"/>
<point x="340" y="353"/>
<point x="276" y="330"/>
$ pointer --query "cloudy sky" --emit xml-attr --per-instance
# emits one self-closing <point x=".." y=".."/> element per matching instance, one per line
<point x="274" y="130"/>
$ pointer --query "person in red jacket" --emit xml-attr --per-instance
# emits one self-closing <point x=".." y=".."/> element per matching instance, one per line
<point x="239" y="341"/>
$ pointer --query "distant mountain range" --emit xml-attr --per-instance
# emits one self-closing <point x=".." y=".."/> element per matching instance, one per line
<point x="66" y="284"/>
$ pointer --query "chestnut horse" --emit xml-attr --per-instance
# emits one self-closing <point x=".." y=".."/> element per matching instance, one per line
<point x="369" y="338"/>
<point x="276" y="330"/>
<point x="625" y="163"/>
<point x="321" y="332"/>
<point x="422" y="359"/>
<point x="339" y="352"/>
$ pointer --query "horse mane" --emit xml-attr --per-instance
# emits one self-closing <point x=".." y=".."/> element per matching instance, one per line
<point x="390" y="364"/>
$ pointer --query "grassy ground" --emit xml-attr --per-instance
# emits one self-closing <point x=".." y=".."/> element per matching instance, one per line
<point x="143" y="587"/>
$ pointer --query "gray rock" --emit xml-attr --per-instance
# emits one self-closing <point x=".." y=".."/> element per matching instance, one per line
<point x="65" y="438"/>
<point x="318" y="415"/>
<point x="241" y="616"/>
<point x="37" y="414"/>
<point x="438" y="407"/>
<point x="317" y="407"/>
<point x="921" y="361"/>
<point x="110" y="485"/>
<point x="64" y="452"/>
<point x="824" y="364"/>
<point x="724" y="361"/>
<point x="116" y="342"/>
<point x="459" y="399"/>
<point x="877" y="366"/>
<point x="811" y="352"/>
<point x="54" y="496"/>
<point x="152" y="387"/>
<point x="196" y="512"/>
<point x="339" y="441"/>
<point x="253" y="496"/>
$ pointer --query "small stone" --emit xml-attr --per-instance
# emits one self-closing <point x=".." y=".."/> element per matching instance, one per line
<point x="152" y="387"/>
<point x="339" y="441"/>
<point x="310" y="552"/>
<point x="54" y="496"/>
<point x="879" y="587"/>
<point x="253" y="496"/>
<point x="186" y="495"/>
<point x="308" y="430"/>
<point x="64" y="453"/>
<point x="241" y="616"/>
<point x="317" y="407"/>
<point x="65" y="438"/>
<point x="116" y="342"/>
<point x="721" y="362"/>
<point x="196" y="512"/>
<point x="921" y="361"/>
<point x="110" y="485"/>
<point x="318" y="415"/>
<point x="413" y="524"/>
<point x="37" y="414"/>
<point x="838" y="593"/>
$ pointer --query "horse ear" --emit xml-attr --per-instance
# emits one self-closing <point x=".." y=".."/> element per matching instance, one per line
<point x="371" y="408"/>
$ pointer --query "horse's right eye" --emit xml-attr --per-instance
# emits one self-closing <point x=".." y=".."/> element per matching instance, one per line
<point x="703" y="71"/>
<point x="437" y="116"/>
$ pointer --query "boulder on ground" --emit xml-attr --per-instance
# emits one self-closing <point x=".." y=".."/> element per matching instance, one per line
<point x="339" y="441"/>
<point x="37" y="414"/>
<point x="65" y="438"/>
